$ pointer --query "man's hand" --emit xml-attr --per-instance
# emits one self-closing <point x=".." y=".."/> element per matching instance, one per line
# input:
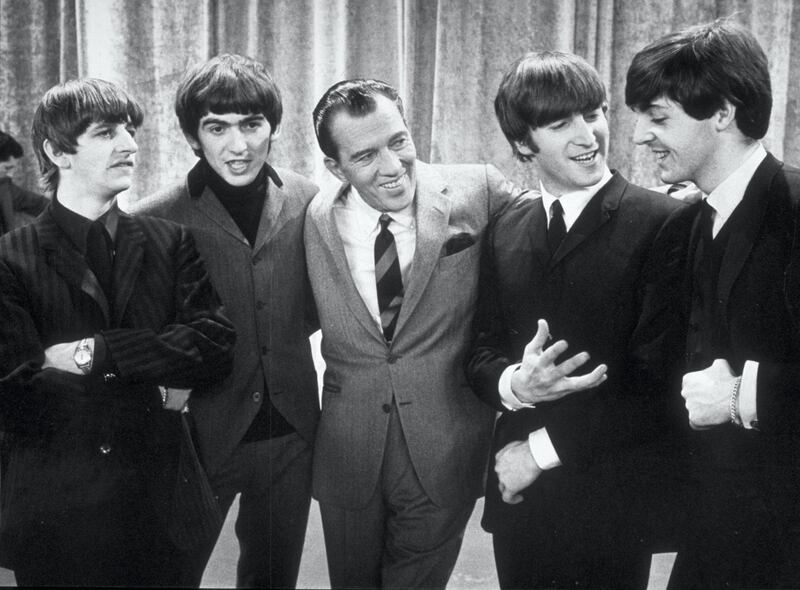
<point x="539" y="379"/>
<point x="708" y="394"/>
<point x="175" y="398"/>
<point x="61" y="357"/>
<point x="516" y="470"/>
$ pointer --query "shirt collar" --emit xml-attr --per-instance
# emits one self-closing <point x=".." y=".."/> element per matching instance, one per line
<point x="573" y="202"/>
<point x="76" y="226"/>
<point x="730" y="192"/>
<point x="366" y="217"/>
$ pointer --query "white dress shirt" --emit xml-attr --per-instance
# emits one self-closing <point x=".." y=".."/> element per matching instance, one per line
<point x="358" y="227"/>
<point x="724" y="199"/>
<point x="573" y="204"/>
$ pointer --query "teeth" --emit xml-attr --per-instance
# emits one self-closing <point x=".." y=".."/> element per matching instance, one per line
<point x="391" y="185"/>
<point x="585" y="157"/>
<point x="237" y="166"/>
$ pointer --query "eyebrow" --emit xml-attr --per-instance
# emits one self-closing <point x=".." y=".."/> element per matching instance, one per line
<point x="215" y="121"/>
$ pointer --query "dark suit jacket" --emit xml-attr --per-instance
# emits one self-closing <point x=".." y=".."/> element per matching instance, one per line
<point x="610" y="289"/>
<point x="743" y="503"/>
<point x="80" y="443"/>
<point x="759" y="284"/>
<point x="266" y="294"/>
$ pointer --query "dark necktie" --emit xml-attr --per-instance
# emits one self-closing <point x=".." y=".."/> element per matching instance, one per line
<point x="387" y="277"/>
<point x="707" y="220"/>
<point x="99" y="254"/>
<point x="557" y="229"/>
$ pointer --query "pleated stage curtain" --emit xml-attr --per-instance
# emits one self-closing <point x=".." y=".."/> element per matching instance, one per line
<point x="445" y="56"/>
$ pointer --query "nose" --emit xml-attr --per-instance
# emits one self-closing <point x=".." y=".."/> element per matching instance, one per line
<point x="641" y="134"/>
<point x="390" y="163"/>
<point x="126" y="142"/>
<point x="583" y="132"/>
<point x="236" y="143"/>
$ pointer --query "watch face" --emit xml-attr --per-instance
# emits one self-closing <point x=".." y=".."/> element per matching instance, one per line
<point x="82" y="356"/>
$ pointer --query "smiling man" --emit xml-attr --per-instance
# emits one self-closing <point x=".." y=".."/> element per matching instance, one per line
<point x="702" y="99"/>
<point x="393" y="260"/>
<point x="98" y="310"/>
<point x="256" y="433"/>
<point x="583" y="262"/>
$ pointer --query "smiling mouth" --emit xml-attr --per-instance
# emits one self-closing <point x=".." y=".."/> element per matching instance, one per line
<point x="587" y="158"/>
<point x="125" y="164"/>
<point x="394" y="183"/>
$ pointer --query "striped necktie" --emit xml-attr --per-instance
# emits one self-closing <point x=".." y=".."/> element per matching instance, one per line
<point x="388" y="278"/>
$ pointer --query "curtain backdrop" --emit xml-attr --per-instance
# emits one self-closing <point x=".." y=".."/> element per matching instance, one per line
<point x="445" y="56"/>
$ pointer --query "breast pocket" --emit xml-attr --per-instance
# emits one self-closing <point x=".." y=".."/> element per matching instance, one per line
<point x="463" y="259"/>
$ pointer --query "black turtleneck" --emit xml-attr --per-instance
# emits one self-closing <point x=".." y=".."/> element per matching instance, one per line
<point x="243" y="203"/>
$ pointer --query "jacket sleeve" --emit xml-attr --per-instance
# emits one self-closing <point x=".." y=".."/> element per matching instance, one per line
<point x="489" y="354"/>
<point x="194" y="348"/>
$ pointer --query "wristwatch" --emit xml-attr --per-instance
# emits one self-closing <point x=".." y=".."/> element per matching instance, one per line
<point x="83" y="356"/>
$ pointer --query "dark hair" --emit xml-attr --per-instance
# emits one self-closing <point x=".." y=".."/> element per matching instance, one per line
<point x="357" y="98"/>
<point x="9" y="147"/>
<point x="227" y="83"/>
<point x="702" y="66"/>
<point x="67" y="110"/>
<point x="543" y="87"/>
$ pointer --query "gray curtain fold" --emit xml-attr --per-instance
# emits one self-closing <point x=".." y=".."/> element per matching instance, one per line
<point x="445" y="56"/>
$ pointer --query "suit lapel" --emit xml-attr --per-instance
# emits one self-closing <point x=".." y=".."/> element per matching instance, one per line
<point x="273" y="215"/>
<point x="432" y="217"/>
<point x="208" y="204"/>
<point x="329" y="232"/>
<point x="127" y="262"/>
<point x="596" y="213"/>
<point x="740" y="243"/>
<point x="65" y="259"/>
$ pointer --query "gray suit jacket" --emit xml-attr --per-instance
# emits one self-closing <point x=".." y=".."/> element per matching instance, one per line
<point x="266" y="294"/>
<point x="447" y="429"/>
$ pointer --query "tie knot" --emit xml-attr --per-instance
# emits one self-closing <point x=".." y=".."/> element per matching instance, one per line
<point x="556" y="209"/>
<point x="385" y="220"/>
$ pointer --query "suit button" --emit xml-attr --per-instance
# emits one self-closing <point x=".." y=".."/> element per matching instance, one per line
<point x="260" y="304"/>
<point x="264" y="350"/>
<point x="257" y="396"/>
<point x="392" y="358"/>
<point x="105" y="448"/>
<point x="387" y="408"/>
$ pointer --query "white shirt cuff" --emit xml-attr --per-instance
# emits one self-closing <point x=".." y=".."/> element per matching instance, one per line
<point x="542" y="449"/>
<point x="748" y="411"/>
<point x="507" y="396"/>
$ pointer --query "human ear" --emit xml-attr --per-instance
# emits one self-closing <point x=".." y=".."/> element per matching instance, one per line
<point x="335" y="169"/>
<point x="55" y="154"/>
<point x="725" y="115"/>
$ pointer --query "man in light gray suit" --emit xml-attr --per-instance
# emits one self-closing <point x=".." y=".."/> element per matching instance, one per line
<point x="256" y="434"/>
<point x="393" y="260"/>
